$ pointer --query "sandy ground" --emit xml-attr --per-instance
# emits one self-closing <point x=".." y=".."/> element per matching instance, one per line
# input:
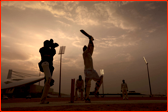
<point x="91" y="107"/>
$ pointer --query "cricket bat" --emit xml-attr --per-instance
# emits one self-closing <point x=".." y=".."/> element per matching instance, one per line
<point x="86" y="34"/>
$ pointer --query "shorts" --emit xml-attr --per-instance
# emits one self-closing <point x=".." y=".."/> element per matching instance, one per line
<point x="80" y="89"/>
<point x="91" y="74"/>
<point x="124" y="90"/>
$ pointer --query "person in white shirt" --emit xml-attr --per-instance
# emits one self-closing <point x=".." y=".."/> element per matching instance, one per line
<point x="89" y="71"/>
<point x="124" y="89"/>
<point x="79" y="87"/>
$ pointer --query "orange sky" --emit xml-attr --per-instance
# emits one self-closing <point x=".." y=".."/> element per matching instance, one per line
<point x="124" y="32"/>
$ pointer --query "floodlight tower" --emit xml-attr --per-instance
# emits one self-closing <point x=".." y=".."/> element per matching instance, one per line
<point x="148" y="77"/>
<point x="61" y="51"/>
<point x="102" y="73"/>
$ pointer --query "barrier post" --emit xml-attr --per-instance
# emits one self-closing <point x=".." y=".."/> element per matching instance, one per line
<point x="72" y="90"/>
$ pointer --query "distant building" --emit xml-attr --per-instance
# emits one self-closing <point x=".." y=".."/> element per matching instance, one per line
<point x="133" y="93"/>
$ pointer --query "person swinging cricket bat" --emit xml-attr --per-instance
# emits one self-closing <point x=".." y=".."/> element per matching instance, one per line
<point x="90" y="73"/>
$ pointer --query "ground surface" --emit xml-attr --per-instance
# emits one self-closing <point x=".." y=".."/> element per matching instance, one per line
<point x="98" y="104"/>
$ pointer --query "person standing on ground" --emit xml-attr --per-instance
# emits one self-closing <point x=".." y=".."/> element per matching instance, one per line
<point x="124" y="89"/>
<point x="79" y="87"/>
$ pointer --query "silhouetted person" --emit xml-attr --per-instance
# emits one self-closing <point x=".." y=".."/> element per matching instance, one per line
<point x="79" y="87"/>
<point x="89" y="71"/>
<point x="46" y="65"/>
<point x="124" y="89"/>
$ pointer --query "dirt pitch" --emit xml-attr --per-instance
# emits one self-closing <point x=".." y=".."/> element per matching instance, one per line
<point x="92" y="107"/>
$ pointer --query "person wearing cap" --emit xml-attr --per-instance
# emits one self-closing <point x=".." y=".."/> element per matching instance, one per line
<point x="46" y="65"/>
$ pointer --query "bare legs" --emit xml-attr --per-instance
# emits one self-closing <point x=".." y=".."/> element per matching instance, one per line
<point x="88" y="85"/>
<point x="76" y="94"/>
<point x="125" y="95"/>
<point x="47" y="73"/>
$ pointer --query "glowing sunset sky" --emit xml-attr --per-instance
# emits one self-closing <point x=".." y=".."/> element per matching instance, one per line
<point x="124" y="32"/>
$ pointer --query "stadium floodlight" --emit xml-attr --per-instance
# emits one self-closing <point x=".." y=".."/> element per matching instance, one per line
<point x="145" y="60"/>
<point x="102" y="73"/>
<point x="61" y="51"/>
<point x="148" y="76"/>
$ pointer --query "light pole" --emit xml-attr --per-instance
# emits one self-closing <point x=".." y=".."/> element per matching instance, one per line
<point x="148" y="77"/>
<point x="62" y="50"/>
<point x="39" y="81"/>
<point x="102" y="73"/>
